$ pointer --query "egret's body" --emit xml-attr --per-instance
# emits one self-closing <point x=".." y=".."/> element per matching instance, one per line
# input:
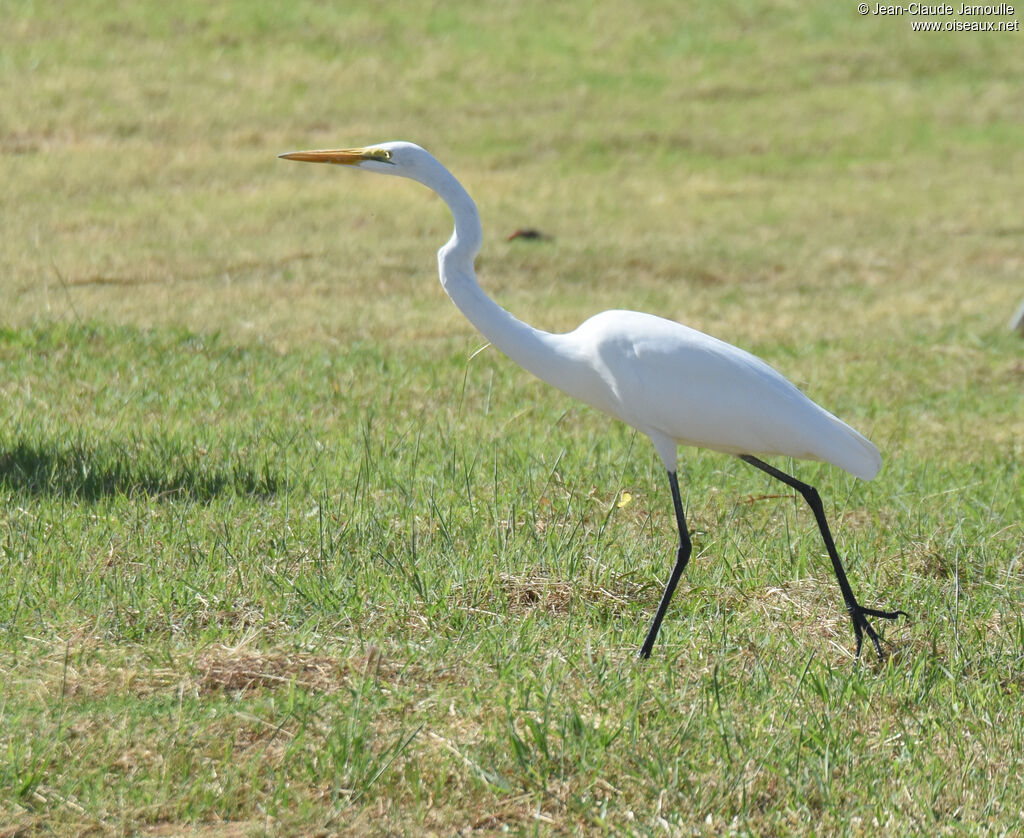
<point x="675" y="384"/>
<point x="683" y="387"/>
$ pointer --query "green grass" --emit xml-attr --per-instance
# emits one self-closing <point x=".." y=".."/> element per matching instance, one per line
<point x="280" y="555"/>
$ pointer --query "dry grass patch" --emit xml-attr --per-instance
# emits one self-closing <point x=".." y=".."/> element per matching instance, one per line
<point x="234" y="671"/>
<point x="529" y="593"/>
<point x="234" y="829"/>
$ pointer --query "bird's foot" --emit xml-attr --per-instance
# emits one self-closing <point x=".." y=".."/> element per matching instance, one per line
<point x="859" y="614"/>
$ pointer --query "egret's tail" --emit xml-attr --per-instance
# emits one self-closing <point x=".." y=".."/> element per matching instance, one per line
<point x="853" y="452"/>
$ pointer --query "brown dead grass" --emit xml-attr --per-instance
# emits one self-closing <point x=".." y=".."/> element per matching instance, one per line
<point x="30" y="827"/>
<point x="227" y="670"/>
<point x="232" y="829"/>
<point x="88" y="670"/>
<point x="530" y="593"/>
<point x="536" y="593"/>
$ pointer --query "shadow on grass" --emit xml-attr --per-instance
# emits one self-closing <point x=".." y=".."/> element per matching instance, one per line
<point x="89" y="472"/>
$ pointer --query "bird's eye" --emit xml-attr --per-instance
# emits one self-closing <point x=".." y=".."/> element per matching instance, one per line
<point x="381" y="154"/>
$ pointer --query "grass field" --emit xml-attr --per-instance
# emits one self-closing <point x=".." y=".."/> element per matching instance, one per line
<point x="281" y="554"/>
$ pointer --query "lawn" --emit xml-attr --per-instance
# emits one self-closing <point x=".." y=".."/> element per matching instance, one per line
<point x="284" y="553"/>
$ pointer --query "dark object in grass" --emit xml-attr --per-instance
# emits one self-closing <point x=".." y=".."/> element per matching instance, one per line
<point x="529" y="234"/>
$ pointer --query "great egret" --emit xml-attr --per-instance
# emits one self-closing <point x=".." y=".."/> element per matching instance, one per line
<point x="674" y="384"/>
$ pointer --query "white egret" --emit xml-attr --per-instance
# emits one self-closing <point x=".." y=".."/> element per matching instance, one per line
<point x="674" y="384"/>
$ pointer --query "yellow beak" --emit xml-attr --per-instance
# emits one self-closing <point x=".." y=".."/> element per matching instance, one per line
<point x="340" y="156"/>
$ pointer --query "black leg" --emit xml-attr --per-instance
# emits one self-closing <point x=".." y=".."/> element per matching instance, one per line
<point x="682" y="557"/>
<point x="858" y="613"/>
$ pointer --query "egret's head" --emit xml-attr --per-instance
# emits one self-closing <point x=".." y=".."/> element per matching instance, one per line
<point x="395" y="158"/>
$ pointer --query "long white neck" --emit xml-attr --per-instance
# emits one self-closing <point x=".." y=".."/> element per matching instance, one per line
<point x="531" y="348"/>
